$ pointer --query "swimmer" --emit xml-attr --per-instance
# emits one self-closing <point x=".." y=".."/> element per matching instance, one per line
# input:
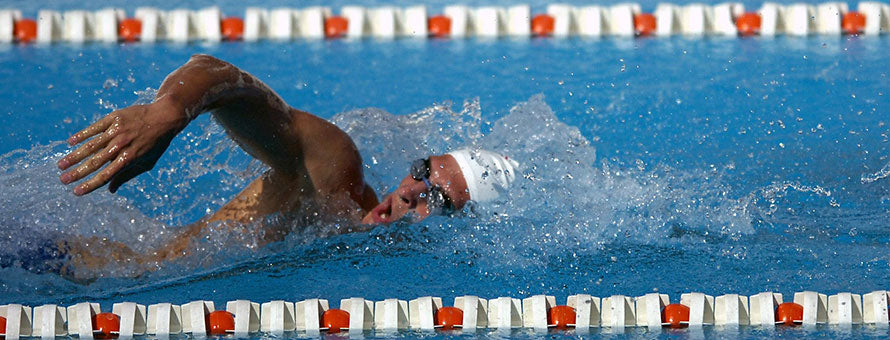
<point x="315" y="170"/>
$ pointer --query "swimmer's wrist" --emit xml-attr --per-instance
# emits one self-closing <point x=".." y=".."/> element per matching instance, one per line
<point x="175" y="109"/>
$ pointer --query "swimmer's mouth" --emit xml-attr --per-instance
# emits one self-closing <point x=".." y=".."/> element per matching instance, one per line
<point x="382" y="213"/>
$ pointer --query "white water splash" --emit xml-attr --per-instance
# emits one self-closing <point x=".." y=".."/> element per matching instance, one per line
<point x="565" y="199"/>
<point x="877" y="176"/>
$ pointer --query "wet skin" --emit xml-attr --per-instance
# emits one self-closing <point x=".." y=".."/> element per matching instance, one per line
<point x="409" y="198"/>
<point x="314" y="166"/>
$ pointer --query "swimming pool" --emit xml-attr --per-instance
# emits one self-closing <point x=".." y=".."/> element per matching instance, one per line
<point x="669" y="165"/>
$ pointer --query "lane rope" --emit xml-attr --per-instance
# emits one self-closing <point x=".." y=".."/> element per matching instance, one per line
<point x="539" y="312"/>
<point x="730" y="19"/>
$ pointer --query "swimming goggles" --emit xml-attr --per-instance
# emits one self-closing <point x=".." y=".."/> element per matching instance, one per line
<point x="438" y="202"/>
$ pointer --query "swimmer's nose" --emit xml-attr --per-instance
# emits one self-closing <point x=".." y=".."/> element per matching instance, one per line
<point x="408" y="200"/>
<point x="410" y="194"/>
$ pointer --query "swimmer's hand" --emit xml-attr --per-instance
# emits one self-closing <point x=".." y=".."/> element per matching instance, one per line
<point x="129" y="140"/>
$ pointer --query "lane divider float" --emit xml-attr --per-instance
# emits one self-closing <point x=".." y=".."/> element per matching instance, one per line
<point x="149" y="24"/>
<point x="357" y="315"/>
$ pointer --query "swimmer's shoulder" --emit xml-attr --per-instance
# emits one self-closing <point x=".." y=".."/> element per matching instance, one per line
<point x="320" y="136"/>
<point x="330" y="155"/>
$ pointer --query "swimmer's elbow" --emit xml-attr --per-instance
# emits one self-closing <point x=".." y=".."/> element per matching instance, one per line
<point x="208" y="63"/>
<point x="201" y="57"/>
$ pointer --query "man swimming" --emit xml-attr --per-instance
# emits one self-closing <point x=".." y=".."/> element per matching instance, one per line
<point x="315" y="168"/>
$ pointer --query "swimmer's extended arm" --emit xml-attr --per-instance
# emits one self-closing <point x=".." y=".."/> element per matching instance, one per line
<point x="131" y="140"/>
<point x="309" y="156"/>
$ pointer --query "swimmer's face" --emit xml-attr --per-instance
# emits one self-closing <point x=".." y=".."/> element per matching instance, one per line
<point x="410" y="198"/>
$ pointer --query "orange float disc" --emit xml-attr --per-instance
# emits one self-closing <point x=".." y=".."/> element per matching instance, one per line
<point x="449" y="317"/>
<point x="2" y="325"/>
<point x="789" y="313"/>
<point x="25" y="30"/>
<point x="853" y="23"/>
<point x="106" y="325"/>
<point x="562" y="316"/>
<point x="335" y="27"/>
<point x="674" y="315"/>
<point x="644" y="24"/>
<point x="129" y="30"/>
<point x="748" y="24"/>
<point x="335" y="320"/>
<point x="543" y="25"/>
<point x="439" y="26"/>
<point x="232" y="28"/>
<point x="220" y="322"/>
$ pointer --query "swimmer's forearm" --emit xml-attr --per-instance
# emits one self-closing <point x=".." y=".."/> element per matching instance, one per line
<point x="253" y="115"/>
<point x="131" y="140"/>
<point x="206" y="83"/>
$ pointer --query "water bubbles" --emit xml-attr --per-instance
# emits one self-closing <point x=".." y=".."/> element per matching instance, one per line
<point x="145" y="96"/>
<point x="879" y="175"/>
<point x="109" y="83"/>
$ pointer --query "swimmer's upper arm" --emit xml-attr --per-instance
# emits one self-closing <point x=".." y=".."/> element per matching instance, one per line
<point x="252" y="113"/>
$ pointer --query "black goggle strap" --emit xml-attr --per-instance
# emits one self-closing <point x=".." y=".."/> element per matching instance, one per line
<point x="420" y="169"/>
<point x="438" y="202"/>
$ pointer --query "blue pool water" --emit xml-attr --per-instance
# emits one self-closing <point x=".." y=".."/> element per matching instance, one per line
<point x="669" y="165"/>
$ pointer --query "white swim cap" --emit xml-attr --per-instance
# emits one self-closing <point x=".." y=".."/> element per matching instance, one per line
<point x="487" y="173"/>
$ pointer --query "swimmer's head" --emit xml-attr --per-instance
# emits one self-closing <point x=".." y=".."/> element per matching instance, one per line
<point x="445" y="183"/>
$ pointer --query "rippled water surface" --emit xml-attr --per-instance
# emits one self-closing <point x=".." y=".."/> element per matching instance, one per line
<point x="669" y="165"/>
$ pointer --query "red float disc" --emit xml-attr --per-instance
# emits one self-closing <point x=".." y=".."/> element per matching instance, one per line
<point x="644" y="24"/>
<point x="232" y="28"/>
<point x="440" y="26"/>
<point x="106" y="325"/>
<point x="25" y="30"/>
<point x="674" y="315"/>
<point x="853" y="23"/>
<point x="543" y="25"/>
<point x="789" y="313"/>
<point x="335" y="27"/>
<point x="129" y="30"/>
<point x="335" y="320"/>
<point x="2" y="325"/>
<point x="562" y="316"/>
<point x="449" y="317"/>
<point x="220" y="322"/>
<point x="748" y="24"/>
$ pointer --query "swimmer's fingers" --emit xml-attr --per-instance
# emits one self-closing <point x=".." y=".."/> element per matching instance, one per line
<point x="92" y="130"/>
<point x="91" y="165"/>
<point x="142" y="163"/>
<point x="84" y="151"/>
<point x="127" y="173"/>
<point x="105" y="175"/>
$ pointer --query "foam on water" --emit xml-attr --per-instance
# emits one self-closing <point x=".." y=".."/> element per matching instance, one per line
<point x="877" y="176"/>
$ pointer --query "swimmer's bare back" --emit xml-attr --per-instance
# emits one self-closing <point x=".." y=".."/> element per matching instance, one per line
<point x="312" y="162"/>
